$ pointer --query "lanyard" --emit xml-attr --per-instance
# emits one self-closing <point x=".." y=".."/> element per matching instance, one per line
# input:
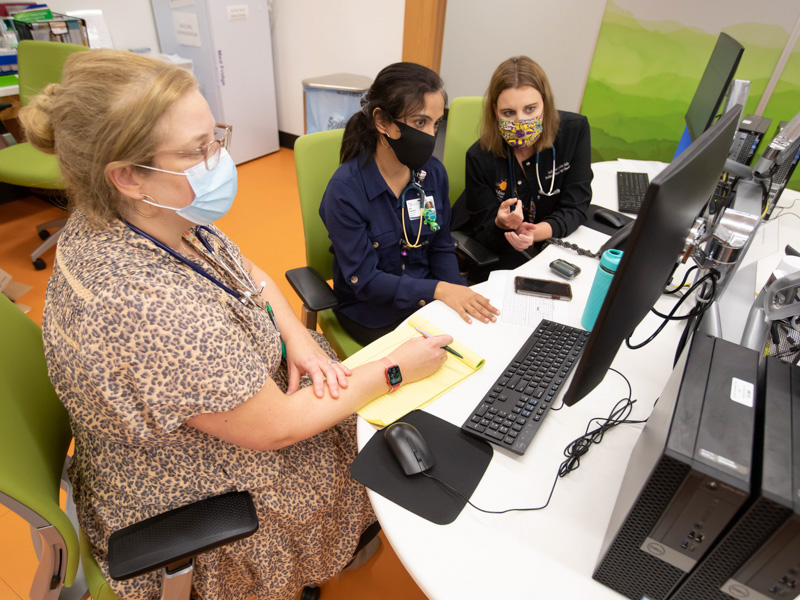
<point x="251" y="291"/>
<point x="188" y="262"/>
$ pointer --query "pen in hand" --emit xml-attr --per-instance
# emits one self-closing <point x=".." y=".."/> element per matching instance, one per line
<point x="448" y="348"/>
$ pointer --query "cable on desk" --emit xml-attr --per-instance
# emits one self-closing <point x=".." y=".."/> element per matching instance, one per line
<point x="693" y="316"/>
<point x="574" y="450"/>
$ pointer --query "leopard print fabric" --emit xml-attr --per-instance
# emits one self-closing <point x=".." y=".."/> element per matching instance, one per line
<point x="137" y="343"/>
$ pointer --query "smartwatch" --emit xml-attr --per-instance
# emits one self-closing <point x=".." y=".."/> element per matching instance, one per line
<point x="393" y="376"/>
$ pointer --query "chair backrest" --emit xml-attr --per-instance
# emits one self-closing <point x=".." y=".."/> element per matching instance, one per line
<point x="316" y="158"/>
<point x="463" y="130"/>
<point x="34" y="430"/>
<point x="41" y="63"/>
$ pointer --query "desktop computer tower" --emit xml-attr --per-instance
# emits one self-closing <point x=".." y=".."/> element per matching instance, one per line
<point x="781" y="178"/>
<point x="689" y="473"/>
<point x="759" y="557"/>
<point x="751" y="131"/>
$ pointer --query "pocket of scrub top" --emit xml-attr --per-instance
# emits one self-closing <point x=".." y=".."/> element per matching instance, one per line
<point x="387" y="248"/>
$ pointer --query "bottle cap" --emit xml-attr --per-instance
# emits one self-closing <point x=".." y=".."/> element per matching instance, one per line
<point x="610" y="259"/>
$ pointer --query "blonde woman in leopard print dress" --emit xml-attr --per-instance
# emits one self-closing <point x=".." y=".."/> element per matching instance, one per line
<point x="177" y="390"/>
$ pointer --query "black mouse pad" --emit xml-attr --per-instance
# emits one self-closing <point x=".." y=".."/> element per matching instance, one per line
<point x="592" y="223"/>
<point x="461" y="461"/>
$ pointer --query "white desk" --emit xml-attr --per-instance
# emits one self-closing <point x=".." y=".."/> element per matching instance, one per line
<point x="550" y="553"/>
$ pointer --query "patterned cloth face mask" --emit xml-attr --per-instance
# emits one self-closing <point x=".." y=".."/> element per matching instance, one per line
<point x="521" y="134"/>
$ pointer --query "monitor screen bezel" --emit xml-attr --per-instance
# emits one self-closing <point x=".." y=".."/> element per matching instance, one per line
<point x="713" y="86"/>
<point x="675" y="198"/>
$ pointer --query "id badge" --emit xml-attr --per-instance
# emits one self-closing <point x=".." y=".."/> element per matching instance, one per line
<point x="430" y="209"/>
<point x="413" y="209"/>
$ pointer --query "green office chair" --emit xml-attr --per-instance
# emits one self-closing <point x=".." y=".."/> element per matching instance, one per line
<point x="463" y="129"/>
<point x="316" y="158"/>
<point x="34" y="438"/>
<point x="40" y="63"/>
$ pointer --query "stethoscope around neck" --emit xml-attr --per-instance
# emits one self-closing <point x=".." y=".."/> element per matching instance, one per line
<point x="415" y="185"/>
<point x="552" y="192"/>
<point x="250" y="289"/>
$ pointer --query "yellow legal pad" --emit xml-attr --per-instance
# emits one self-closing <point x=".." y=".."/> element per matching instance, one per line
<point x="409" y="396"/>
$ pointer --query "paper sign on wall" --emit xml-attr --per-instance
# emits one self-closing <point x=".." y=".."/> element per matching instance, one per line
<point x="238" y="12"/>
<point x="187" y="28"/>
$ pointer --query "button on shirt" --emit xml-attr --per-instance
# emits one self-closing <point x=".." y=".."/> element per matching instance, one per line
<point x="378" y="284"/>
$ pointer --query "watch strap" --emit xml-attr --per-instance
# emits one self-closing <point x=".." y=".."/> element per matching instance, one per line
<point x="389" y="363"/>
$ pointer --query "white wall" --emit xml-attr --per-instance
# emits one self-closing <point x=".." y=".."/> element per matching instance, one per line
<point x="314" y="37"/>
<point x="130" y="22"/>
<point x="320" y="37"/>
<point x="309" y="38"/>
<point x="560" y="36"/>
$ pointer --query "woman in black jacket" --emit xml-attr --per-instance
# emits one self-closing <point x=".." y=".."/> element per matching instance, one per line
<point x="528" y="177"/>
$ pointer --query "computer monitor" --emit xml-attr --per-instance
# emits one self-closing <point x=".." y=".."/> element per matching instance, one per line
<point x="706" y="104"/>
<point x="674" y="199"/>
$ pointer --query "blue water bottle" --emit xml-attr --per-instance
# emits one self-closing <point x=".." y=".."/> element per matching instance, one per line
<point x="602" y="279"/>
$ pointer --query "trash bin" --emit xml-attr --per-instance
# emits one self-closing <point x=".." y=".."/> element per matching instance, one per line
<point x="329" y="101"/>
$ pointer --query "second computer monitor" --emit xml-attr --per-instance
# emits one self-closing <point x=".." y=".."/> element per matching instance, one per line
<point x="720" y="70"/>
<point x="674" y="199"/>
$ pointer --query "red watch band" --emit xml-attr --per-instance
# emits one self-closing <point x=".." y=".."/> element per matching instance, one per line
<point x="393" y="376"/>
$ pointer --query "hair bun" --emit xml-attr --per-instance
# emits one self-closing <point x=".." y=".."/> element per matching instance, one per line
<point x="36" y="119"/>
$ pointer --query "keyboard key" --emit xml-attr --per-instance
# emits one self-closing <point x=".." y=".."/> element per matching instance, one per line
<point x="534" y="377"/>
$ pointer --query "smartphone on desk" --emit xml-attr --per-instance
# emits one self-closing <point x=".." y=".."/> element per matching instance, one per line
<point x="546" y="288"/>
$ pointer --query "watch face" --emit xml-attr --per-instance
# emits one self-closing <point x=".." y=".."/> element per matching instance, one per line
<point x="393" y="375"/>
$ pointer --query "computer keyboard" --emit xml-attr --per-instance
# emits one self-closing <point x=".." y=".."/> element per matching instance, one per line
<point x="630" y="190"/>
<point x="511" y="411"/>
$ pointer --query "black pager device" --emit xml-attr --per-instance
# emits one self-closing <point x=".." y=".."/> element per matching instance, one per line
<point x="564" y="269"/>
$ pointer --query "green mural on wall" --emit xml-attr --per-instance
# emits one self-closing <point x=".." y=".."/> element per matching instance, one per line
<point x="644" y="74"/>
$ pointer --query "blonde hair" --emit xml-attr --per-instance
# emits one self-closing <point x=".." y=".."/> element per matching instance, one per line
<point x="516" y="72"/>
<point x="105" y="109"/>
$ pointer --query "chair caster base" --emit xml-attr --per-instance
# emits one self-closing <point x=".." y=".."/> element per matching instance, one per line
<point x="44" y="234"/>
<point x="310" y="593"/>
<point x="39" y="264"/>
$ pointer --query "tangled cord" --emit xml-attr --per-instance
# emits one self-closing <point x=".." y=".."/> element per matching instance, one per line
<point x="574" y="450"/>
<point x="693" y="316"/>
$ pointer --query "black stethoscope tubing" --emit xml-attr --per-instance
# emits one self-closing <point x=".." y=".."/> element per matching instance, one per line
<point x="415" y="186"/>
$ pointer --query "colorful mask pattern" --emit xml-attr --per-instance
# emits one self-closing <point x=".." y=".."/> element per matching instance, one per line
<point x="521" y="134"/>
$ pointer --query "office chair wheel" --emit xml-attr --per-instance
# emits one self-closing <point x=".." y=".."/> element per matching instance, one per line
<point x="39" y="264"/>
<point x="310" y="593"/>
<point x="44" y="234"/>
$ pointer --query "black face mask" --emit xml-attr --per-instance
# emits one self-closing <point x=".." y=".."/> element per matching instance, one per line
<point x="413" y="148"/>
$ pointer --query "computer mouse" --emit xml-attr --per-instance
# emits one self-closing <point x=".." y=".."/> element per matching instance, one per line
<point x="408" y="447"/>
<point x="609" y="217"/>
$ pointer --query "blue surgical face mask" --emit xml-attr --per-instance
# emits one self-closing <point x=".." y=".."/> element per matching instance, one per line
<point x="213" y="190"/>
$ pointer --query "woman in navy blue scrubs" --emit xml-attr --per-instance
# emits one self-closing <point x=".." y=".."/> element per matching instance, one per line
<point x="392" y="249"/>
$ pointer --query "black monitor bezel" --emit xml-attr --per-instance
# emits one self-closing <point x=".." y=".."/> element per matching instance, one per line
<point x="675" y="198"/>
<point x="713" y="86"/>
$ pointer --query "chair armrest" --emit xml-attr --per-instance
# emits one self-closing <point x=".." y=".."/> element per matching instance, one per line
<point x="313" y="290"/>
<point x="474" y="250"/>
<point x="180" y="534"/>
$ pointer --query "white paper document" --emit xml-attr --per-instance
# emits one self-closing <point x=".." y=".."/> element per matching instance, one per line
<point x="521" y="309"/>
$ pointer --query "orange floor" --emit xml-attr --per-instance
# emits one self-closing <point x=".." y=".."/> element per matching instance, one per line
<point x="265" y="222"/>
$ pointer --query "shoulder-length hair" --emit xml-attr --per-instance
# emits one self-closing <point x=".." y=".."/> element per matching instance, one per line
<point x="516" y="72"/>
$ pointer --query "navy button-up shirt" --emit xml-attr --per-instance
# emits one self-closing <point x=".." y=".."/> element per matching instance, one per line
<point x="376" y="281"/>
